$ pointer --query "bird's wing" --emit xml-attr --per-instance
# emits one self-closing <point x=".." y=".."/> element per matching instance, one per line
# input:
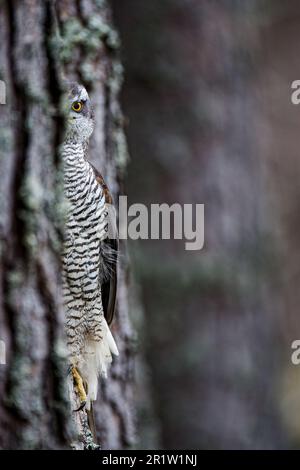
<point x="109" y="253"/>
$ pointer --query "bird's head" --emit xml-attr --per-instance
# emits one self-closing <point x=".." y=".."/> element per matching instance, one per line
<point x="80" y="114"/>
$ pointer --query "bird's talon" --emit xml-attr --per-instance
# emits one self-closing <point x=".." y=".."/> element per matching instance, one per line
<point x="81" y="407"/>
<point x="78" y="382"/>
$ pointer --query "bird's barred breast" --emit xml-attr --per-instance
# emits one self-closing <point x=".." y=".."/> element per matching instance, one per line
<point x="86" y="226"/>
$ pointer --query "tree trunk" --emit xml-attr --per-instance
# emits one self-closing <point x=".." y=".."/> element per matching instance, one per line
<point x="41" y="42"/>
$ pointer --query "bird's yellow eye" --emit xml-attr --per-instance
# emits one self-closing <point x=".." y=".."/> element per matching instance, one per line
<point x="77" y="106"/>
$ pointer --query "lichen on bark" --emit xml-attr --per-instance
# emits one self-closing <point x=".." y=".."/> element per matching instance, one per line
<point x="41" y="47"/>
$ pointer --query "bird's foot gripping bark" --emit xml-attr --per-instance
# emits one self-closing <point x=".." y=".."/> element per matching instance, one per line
<point x="78" y="382"/>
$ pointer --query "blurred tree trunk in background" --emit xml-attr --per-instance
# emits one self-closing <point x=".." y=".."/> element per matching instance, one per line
<point x="280" y="67"/>
<point x="39" y="40"/>
<point x="197" y="134"/>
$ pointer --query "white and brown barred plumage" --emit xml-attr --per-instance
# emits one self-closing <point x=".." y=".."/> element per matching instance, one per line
<point x="89" y="259"/>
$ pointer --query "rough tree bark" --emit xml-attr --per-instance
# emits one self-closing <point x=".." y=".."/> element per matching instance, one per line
<point x="41" y="41"/>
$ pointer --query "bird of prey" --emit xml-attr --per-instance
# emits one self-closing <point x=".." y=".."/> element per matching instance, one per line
<point x="90" y="254"/>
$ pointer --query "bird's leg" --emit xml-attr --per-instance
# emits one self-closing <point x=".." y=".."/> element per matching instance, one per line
<point x="78" y="382"/>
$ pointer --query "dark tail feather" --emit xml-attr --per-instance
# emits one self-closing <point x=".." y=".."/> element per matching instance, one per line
<point x="91" y="422"/>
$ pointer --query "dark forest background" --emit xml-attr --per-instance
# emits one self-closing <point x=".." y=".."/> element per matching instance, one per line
<point x="207" y="98"/>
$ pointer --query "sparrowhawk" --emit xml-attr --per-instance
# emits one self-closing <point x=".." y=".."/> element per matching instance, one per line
<point x="90" y="254"/>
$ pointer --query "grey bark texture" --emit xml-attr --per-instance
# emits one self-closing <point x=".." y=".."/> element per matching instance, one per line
<point x="42" y="43"/>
